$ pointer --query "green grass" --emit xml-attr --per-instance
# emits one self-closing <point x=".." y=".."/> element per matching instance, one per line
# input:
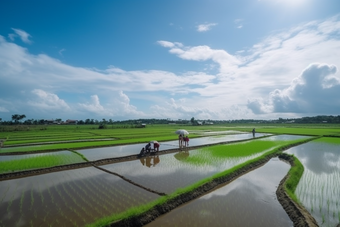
<point x="332" y="140"/>
<point x="212" y="154"/>
<point x="41" y="161"/>
<point x="294" y="176"/>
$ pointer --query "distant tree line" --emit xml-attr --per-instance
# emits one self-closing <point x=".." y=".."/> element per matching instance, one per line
<point x="322" y="119"/>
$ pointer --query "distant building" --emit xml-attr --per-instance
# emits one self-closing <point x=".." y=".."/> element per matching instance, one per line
<point x="71" y="122"/>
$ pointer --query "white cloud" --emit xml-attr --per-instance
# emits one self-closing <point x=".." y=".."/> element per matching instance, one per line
<point x="262" y="74"/>
<point x="24" y="36"/>
<point x="226" y="61"/>
<point x="315" y="90"/>
<point x="205" y="27"/>
<point x="93" y="106"/>
<point x="118" y="106"/>
<point x="47" y="101"/>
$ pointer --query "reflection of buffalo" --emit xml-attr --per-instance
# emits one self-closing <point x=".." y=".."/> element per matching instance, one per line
<point x="150" y="161"/>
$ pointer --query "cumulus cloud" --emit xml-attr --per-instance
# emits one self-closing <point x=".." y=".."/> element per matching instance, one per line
<point x="315" y="90"/>
<point x="47" y="101"/>
<point x="117" y="106"/>
<point x="93" y="105"/>
<point x="226" y="61"/>
<point x="24" y="36"/>
<point x="205" y="27"/>
<point x="265" y="80"/>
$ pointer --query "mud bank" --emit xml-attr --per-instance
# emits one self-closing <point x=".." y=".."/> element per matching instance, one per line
<point x="296" y="212"/>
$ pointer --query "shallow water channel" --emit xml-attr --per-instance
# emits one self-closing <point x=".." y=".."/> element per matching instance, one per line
<point x="249" y="200"/>
<point x="319" y="187"/>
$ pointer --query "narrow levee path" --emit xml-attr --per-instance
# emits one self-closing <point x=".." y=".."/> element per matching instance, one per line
<point x="129" y="181"/>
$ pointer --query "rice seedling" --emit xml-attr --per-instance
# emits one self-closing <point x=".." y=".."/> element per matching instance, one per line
<point x="40" y="161"/>
<point x="318" y="189"/>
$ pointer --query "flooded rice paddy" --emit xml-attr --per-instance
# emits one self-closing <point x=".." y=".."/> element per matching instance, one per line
<point x="319" y="187"/>
<point x="248" y="201"/>
<point x="81" y="196"/>
<point x="166" y="173"/>
<point x="125" y="150"/>
<point x="67" y="198"/>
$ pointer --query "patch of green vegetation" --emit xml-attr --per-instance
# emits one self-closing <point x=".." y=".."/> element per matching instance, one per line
<point x="294" y="176"/>
<point x="332" y="140"/>
<point x="40" y="161"/>
<point x="216" y="153"/>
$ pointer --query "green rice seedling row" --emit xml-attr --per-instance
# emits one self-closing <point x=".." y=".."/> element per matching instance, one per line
<point x="35" y="161"/>
<point x="318" y="189"/>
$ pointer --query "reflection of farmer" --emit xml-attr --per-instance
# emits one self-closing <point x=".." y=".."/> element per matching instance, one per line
<point x="156" y="160"/>
<point x="142" y="160"/>
<point x="148" y="161"/>
<point x="253" y="131"/>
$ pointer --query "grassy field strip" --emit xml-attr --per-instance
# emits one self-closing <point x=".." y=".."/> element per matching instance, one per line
<point x="319" y="187"/>
<point x="141" y="209"/>
<point x="37" y="161"/>
<point x="54" y="139"/>
<point x="301" y="131"/>
<point x="80" y="145"/>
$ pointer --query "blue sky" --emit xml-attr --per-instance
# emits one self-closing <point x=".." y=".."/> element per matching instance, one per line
<point x="247" y="59"/>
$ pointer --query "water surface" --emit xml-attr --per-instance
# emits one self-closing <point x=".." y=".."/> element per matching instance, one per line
<point x="319" y="187"/>
<point x="67" y="198"/>
<point x="247" y="201"/>
<point x="133" y="149"/>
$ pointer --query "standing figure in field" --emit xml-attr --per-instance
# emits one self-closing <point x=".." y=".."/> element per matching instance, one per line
<point x="156" y="146"/>
<point x="180" y="141"/>
<point x="186" y="141"/>
<point x="253" y="132"/>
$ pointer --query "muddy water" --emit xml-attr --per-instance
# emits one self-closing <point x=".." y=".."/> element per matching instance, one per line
<point x="248" y="201"/>
<point x="125" y="150"/>
<point x="319" y="187"/>
<point x="67" y="198"/>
